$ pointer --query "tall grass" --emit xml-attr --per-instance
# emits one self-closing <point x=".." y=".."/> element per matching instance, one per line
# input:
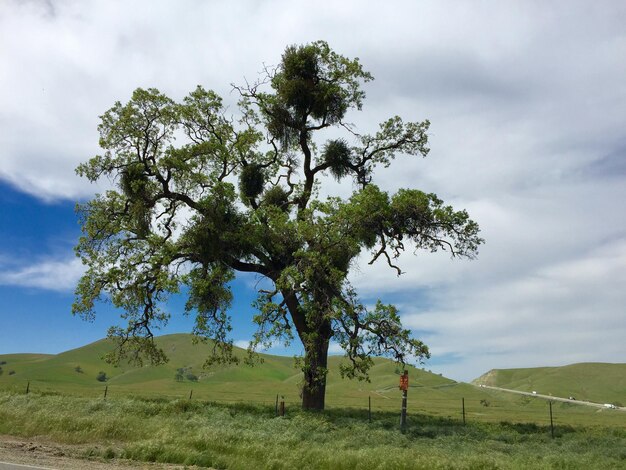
<point x="241" y="437"/>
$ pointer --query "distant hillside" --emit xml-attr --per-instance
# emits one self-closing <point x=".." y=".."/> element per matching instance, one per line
<point x="76" y="372"/>
<point x="593" y="381"/>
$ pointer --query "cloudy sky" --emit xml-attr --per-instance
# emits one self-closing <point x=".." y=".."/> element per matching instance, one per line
<point x="528" y="108"/>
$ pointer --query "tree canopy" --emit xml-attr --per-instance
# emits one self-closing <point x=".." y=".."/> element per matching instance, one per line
<point x="199" y="196"/>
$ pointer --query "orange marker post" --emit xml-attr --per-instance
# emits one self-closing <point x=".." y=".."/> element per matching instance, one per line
<point x="404" y="386"/>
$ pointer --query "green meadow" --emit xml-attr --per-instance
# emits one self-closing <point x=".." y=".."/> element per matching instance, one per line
<point x="224" y="417"/>
<point x="247" y="436"/>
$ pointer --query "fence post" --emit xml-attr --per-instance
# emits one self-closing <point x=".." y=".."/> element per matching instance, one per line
<point x="106" y="389"/>
<point x="369" y="408"/>
<point x="403" y="414"/>
<point x="28" y="387"/>
<point x="190" y="394"/>
<point x="463" y="406"/>
<point x="282" y="406"/>
<point x="276" y="409"/>
<point x="551" y="421"/>
<point x="404" y="386"/>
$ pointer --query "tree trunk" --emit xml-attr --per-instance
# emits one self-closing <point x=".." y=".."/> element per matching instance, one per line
<point x="315" y="339"/>
<point x="315" y="370"/>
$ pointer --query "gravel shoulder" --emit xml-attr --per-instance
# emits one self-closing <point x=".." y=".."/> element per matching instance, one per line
<point x="43" y="453"/>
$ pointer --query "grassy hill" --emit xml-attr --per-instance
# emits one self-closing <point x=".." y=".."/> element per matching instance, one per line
<point x="597" y="382"/>
<point x="75" y="372"/>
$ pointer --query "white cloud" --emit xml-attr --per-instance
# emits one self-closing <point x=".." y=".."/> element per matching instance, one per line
<point x="559" y="314"/>
<point x="276" y="347"/>
<point x="527" y="103"/>
<point x="335" y="349"/>
<point x="242" y="343"/>
<point x="55" y="275"/>
<point x="497" y="82"/>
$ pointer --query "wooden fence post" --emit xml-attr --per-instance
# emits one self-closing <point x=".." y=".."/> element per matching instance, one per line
<point x="404" y="386"/>
<point x="463" y="406"/>
<point x="551" y="421"/>
<point x="403" y="413"/>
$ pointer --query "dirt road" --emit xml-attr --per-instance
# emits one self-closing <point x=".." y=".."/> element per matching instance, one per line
<point x="550" y="397"/>
<point x="38" y="453"/>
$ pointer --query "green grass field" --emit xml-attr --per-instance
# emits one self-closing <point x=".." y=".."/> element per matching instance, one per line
<point x="244" y="436"/>
<point x="230" y="420"/>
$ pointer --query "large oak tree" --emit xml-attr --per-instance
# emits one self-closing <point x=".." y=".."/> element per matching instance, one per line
<point x="200" y="196"/>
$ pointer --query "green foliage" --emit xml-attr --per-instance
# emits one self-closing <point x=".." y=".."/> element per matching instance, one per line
<point x="175" y="221"/>
<point x="101" y="377"/>
<point x="276" y="196"/>
<point x="78" y="369"/>
<point x="312" y="82"/>
<point x="337" y="156"/>
<point x="135" y="185"/>
<point x="183" y="373"/>
<point x="251" y="181"/>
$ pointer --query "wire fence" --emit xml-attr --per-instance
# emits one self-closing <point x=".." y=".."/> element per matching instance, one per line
<point x="488" y="406"/>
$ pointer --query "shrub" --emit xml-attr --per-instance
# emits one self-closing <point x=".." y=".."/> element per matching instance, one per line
<point x="180" y="374"/>
<point x="185" y="373"/>
<point x="11" y="372"/>
<point x="78" y="369"/>
<point x="102" y="377"/>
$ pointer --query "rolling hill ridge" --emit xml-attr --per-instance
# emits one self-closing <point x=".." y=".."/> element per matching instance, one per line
<point x="76" y="371"/>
